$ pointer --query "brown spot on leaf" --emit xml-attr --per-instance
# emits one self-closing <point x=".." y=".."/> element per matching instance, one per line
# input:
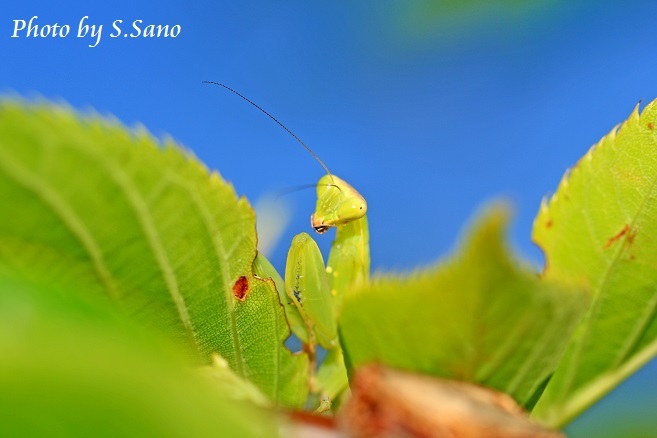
<point x="651" y="126"/>
<point x="617" y="237"/>
<point x="548" y="223"/>
<point x="241" y="288"/>
<point x="630" y="237"/>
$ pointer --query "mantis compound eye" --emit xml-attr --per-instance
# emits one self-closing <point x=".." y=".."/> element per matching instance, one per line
<point x="351" y="209"/>
<point x="320" y="228"/>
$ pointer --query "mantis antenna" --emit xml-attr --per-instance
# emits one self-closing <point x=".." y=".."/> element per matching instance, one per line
<point x="275" y="120"/>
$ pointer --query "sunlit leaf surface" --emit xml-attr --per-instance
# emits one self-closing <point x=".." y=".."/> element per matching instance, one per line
<point x="599" y="231"/>
<point x="98" y="210"/>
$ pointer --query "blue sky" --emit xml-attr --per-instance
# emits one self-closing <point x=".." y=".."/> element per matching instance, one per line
<point x="429" y="117"/>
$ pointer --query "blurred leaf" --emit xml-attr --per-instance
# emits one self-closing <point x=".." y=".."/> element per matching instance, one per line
<point x="229" y="383"/>
<point x="446" y="8"/>
<point x="476" y="317"/>
<point x="450" y="18"/>
<point x="616" y="424"/>
<point x="97" y="210"/>
<point x="68" y="368"/>
<point x="599" y="231"/>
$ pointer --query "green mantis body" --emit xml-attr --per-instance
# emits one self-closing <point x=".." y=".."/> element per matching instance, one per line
<point x="312" y="293"/>
<point x="338" y="205"/>
<point x="317" y="293"/>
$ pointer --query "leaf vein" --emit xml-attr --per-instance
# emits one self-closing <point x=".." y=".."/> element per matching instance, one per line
<point x="66" y="214"/>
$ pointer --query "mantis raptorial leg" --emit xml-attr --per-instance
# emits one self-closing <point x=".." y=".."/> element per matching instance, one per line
<point x="311" y="294"/>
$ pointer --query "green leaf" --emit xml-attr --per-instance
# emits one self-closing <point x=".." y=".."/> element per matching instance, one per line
<point x="94" y="209"/>
<point x="69" y="368"/>
<point x="599" y="231"/>
<point x="476" y="317"/>
<point x="227" y="382"/>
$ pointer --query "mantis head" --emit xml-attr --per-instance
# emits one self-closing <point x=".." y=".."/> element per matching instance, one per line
<point x="338" y="203"/>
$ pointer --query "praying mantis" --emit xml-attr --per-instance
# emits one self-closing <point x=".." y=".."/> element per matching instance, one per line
<point x="312" y="293"/>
